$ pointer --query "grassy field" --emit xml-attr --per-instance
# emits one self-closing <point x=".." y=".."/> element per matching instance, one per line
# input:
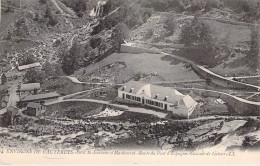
<point x="73" y="110"/>
<point x="135" y="64"/>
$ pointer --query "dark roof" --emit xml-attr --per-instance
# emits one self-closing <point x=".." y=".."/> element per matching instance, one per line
<point x="41" y="96"/>
<point x="34" y="105"/>
<point x="30" y="86"/>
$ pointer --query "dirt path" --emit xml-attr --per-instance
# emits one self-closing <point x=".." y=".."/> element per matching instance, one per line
<point x="12" y="99"/>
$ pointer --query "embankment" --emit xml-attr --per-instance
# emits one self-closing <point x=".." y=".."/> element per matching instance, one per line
<point x="222" y="81"/>
<point x="240" y="106"/>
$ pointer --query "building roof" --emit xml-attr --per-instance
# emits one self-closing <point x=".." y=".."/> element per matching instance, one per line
<point x="41" y="96"/>
<point x="31" y="86"/>
<point x="13" y="73"/>
<point x="34" y="105"/>
<point x="156" y="92"/>
<point x="12" y="108"/>
<point x="132" y="84"/>
<point x="188" y="101"/>
<point x="24" y="67"/>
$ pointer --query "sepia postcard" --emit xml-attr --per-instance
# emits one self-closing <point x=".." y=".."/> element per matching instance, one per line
<point x="129" y="82"/>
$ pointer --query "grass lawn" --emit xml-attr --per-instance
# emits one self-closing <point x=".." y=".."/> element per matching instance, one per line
<point x="73" y="110"/>
<point x="145" y="63"/>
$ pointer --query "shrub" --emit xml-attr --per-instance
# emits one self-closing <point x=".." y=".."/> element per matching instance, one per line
<point x="34" y="76"/>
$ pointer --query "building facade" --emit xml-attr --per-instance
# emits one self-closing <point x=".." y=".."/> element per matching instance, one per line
<point x="158" y="97"/>
<point x="41" y="98"/>
<point x="13" y="75"/>
<point x="29" y="89"/>
<point x="35" y="109"/>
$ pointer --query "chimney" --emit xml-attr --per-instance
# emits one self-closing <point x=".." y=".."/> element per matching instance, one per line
<point x="166" y="98"/>
<point x="156" y="96"/>
<point x="131" y="90"/>
<point x="123" y="88"/>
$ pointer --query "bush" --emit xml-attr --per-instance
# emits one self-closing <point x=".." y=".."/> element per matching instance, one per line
<point x="79" y="6"/>
<point x="26" y="59"/>
<point x="170" y="25"/>
<point x="34" y="76"/>
<point x="196" y="35"/>
<point x="95" y="42"/>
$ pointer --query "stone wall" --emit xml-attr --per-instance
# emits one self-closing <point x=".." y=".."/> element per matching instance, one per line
<point x="136" y="50"/>
<point x="222" y="81"/>
<point x="240" y="106"/>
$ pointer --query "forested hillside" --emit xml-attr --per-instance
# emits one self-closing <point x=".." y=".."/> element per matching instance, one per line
<point x="215" y="33"/>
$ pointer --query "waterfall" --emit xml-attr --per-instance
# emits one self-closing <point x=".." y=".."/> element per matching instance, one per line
<point x="98" y="10"/>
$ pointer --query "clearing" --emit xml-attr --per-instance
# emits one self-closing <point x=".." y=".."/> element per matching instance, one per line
<point x="122" y="67"/>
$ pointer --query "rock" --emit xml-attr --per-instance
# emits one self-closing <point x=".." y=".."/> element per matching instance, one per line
<point x="31" y="129"/>
<point x="118" y="128"/>
<point x="100" y="143"/>
<point x="120" y="132"/>
<point x="167" y="146"/>
<point x="3" y="104"/>
<point x="54" y="138"/>
<point x="162" y="140"/>
<point x="99" y="129"/>
<point x="139" y="142"/>
<point x="69" y="140"/>
<point x="83" y="137"/>
<point x="126" y="125"/>
<point x="173" y="140"/>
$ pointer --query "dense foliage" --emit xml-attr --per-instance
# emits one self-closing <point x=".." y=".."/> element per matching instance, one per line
<point x="196" y="35"/>
<point x="34" y="76"/>
<point x="79" y="6"/>
<point x="26" y="59"/>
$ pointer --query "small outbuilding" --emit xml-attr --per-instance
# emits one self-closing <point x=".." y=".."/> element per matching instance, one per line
<point x="35" y="109"/>
<point x="11" y="111"/>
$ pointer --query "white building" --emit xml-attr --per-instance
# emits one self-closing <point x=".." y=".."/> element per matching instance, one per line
<point x="162" y="98"/>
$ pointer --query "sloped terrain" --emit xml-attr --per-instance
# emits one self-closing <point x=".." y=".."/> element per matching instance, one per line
<point x="133" y="66"/>
<point x="231" y="38"/>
